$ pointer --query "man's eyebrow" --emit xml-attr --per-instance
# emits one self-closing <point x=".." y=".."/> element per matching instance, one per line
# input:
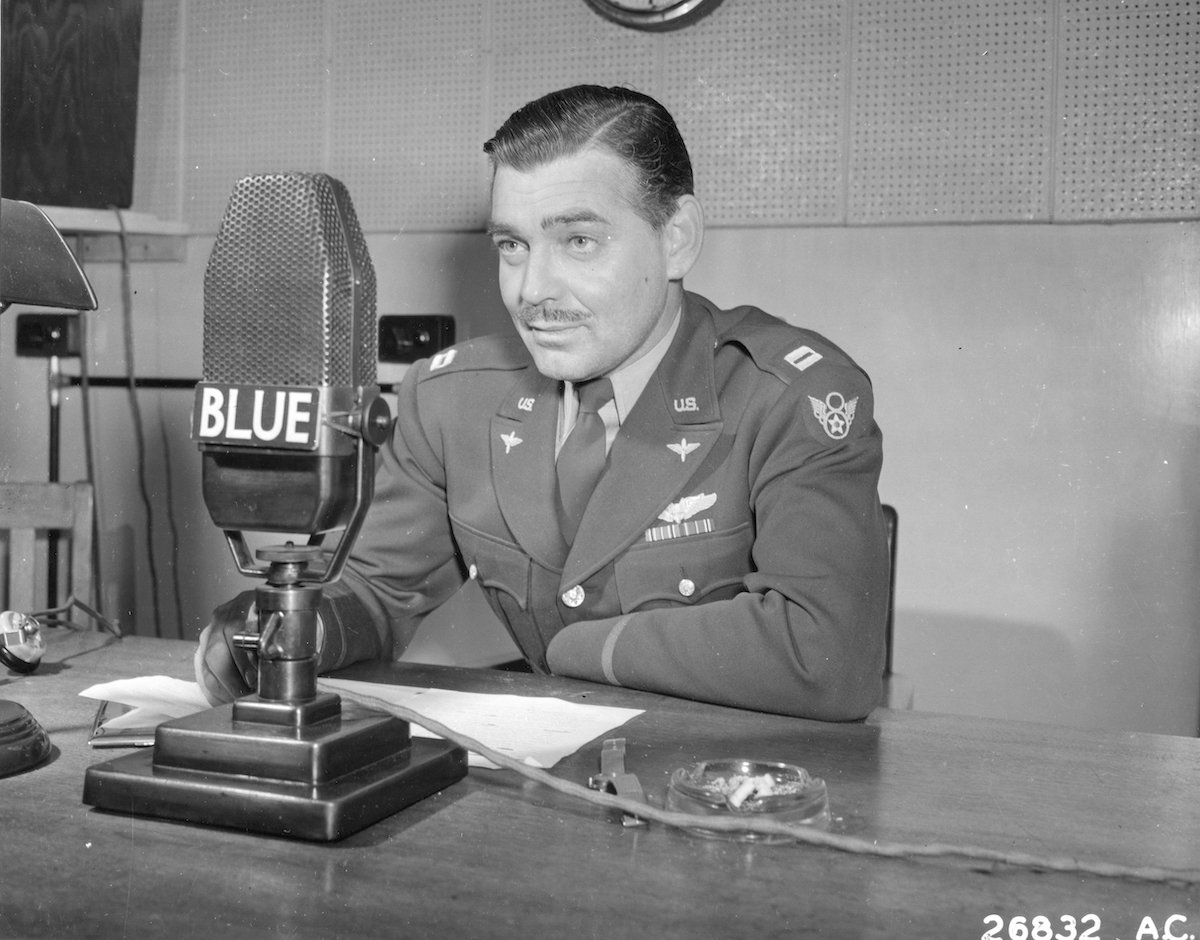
<point x="571" y="217"/>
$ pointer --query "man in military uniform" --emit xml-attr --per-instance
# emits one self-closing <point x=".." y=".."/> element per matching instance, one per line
<point x="732" y="548"/>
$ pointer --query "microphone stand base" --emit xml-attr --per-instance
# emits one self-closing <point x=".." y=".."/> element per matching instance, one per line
<point x="319" y="780"/>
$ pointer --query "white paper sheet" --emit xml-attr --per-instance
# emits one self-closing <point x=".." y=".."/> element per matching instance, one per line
<point x="538" y="730"/>
<point x="153" y="699"/>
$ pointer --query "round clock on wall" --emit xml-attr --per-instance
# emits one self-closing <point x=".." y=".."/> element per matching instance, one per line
<point x="656" y="15"/>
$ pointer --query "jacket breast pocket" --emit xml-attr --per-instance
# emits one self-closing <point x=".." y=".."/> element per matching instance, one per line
<point x="688" y="570"/>
<point x="495" y="564"/>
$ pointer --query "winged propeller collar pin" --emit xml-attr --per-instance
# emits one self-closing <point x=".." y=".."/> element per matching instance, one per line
<point x="687" y="507"/>
<point x="683" y="448"/>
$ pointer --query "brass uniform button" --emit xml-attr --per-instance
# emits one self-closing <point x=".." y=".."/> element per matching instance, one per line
<point x="573" y="597"/>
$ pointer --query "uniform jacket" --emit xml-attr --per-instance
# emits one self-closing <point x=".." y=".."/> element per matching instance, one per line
<point x="733" y="551"/>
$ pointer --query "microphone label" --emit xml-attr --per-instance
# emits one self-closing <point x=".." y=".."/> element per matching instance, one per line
<point x="284" y="417"/>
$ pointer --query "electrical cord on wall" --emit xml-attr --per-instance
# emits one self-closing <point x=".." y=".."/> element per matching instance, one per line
<point x="800" y="833"/>
<point x="135" y="408"/>
<point x="89" y="449"/>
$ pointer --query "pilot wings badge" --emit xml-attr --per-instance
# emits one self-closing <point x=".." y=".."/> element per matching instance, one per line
<point x="687" y="507"/>
<point x="835" y="413"/>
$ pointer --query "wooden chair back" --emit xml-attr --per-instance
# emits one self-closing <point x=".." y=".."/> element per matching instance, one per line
<point x="27" y="512"/>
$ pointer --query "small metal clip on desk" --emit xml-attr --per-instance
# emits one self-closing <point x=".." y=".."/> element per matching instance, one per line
<point x="613" y="778"/>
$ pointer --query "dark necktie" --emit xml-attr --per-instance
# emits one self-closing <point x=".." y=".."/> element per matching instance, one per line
<point x="582" y="457"/>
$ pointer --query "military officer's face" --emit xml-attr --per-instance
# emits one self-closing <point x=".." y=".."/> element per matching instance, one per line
<point x="586" y="279"/>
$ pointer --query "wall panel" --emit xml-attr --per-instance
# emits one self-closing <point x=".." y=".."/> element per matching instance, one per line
<point x="826" y="112"/>
<point x="759" y="94"/>
<point x="1129" y="125"/>
<point x="405" y="120"/>
<point x="950" y="111"/>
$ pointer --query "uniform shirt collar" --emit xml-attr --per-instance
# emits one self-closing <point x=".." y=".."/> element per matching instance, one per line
<point x="628" y="382"/>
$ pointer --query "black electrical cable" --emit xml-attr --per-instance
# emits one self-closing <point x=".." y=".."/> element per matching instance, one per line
<point x="89" y="455"/>
<point x="135" y="409"/>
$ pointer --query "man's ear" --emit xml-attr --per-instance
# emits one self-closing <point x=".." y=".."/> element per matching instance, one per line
<point x="684" y="235"/>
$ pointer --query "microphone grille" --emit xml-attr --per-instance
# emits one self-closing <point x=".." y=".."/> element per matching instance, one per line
<point x="289" y="291"/>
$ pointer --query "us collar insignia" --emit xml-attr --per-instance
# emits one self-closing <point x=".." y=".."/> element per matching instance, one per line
<point x="835" y="414"/>
<point x="683" y="448"/>
<point x="510" y="440"/>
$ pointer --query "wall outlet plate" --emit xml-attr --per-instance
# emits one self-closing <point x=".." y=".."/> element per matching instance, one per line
<point x="43" y="335"/>
<point x="409" y="338"/>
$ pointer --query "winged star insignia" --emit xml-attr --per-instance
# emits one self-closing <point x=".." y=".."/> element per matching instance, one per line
<point x="510" y="440"/>
<point x="687" y="507"/>
<point x="835" y="413"/>
<point x="683" y="448"/>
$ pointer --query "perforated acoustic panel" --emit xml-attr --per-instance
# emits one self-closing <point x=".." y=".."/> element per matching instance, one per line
<point x="759" y="94"/>
<point x="543" y="46"/>
<point x="1129" y="132"/>
<point x="405" y="121"/>
<point x="157" y="183"/>
<point x="797" y="112"/>
<point x="950" y="112"/>
<point x="254" y="97"/>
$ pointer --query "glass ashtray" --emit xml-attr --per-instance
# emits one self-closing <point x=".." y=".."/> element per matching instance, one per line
<point x="748" y="790"/>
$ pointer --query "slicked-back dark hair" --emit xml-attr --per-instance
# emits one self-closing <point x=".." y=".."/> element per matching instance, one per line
<point x="634" y="126"/>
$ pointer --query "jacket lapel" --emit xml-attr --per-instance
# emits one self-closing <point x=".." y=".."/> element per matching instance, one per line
<point x="659" y="448"/>
<point x="522" y="446"/>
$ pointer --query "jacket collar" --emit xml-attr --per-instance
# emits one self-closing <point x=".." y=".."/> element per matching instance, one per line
<point x="662" y="444"/>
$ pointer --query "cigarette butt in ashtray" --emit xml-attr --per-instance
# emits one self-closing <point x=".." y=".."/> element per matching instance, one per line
<point x="746" y="789"/>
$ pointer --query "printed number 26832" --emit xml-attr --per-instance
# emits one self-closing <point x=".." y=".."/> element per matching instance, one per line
<point x="1041" y="928"/>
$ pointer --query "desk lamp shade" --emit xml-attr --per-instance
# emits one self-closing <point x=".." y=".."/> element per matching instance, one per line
<point x="36" y="267"/>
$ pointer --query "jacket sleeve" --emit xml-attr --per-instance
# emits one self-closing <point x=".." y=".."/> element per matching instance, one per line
<point x="805" y="636"/>
<point x="404" y="563"/>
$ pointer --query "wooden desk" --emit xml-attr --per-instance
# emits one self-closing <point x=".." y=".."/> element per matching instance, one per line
<point x="498" y="856"/>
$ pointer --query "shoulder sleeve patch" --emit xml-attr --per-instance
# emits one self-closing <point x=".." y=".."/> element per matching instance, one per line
<point x="835" y="400"/>
<point x="834" y="414"/>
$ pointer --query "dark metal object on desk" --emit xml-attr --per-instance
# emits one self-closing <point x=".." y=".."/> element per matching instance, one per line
<point x="287" y="760"/>
<point x="614" y="778"/>
<point x="24" y="744"/>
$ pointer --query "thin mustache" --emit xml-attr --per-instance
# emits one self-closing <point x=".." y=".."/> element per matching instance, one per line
<point x="528" y="314"/>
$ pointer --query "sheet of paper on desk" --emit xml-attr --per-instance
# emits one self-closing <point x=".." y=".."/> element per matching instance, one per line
<point x="538" y="730"/>
<point x="152" y="699"/>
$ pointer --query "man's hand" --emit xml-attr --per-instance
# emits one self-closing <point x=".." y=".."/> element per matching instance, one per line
<point x="224" y="671"/>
